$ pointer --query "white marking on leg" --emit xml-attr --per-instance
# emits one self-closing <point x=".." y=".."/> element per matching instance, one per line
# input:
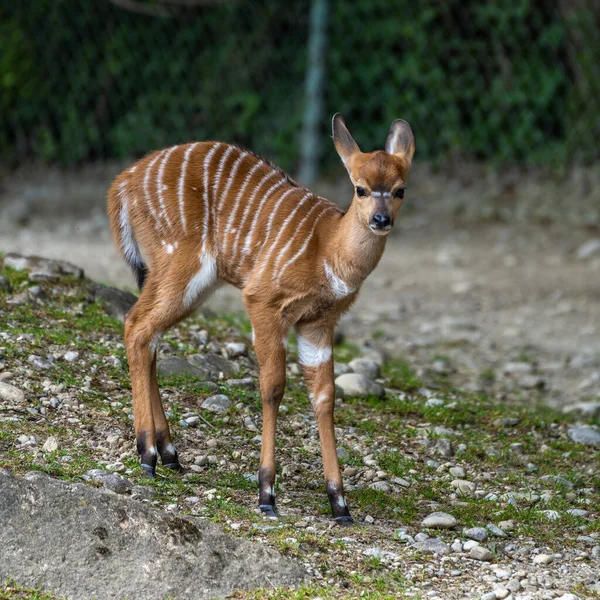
<point x="181" y="184"/>
<point x="265" y="260"/>
<point x="202" y="281"/>
<point x="152" y="450"/>
<point x="341" y="501"/>
<point x="267" y="195"/>
<point x="339" y="287"/>
<point x="171" y="449"/>
<point x="320" y="399"/>
<point x="311" y="355"/>
<point x="154" y="343"/>
<point x="147" y="194"/>
<point x="236" y="203"/>
<point x="249" y="204"/>
<point x="206" y="173"/>
<point x="160" y="187"/>
<point x="305" y="245"/>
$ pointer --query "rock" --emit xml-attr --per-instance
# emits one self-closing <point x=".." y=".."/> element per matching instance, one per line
<point x="111" y="481"/>
<point x="506" y="422"/>
<point x="39" y="363"/>
<point x="117" y="303"/>
<point x="50" y="445"/>
<point x="506" y="525"/>
<point x="558" y="480"/>
<point x="71" y="356"/>
<point x="517" y="368"/>
<point x="42" y="276"/>
<point x="584" y="434"/>
<point x="495" y="530"/>
<point x="568" y="597"/>
<point x="432" y="546"/>
<point x="530" y="382"/>
<point x="357" y="385"/>
<point x="578" y="512"/>
<point x="214" y="365"/>
<point x="381" y="486"/>
<point x="588" y="249"/>
<point x="457" y="472"/>
<point x="584" y="409"/>
<point x="341" y="369"/>
<point x="444" y="447"/>
<point x="343" y="454"/>
<point x="466" y="488"/>
<point x="207" y="386"/>
<point x="365" y="366"/>
<point x="4" y="285"/>
<point x="543" y="559"/>
<point x="434" y="402"/>
<point x="246" y="383"/>
<point x="480" y="553"/>
<point x="20" y="262"/>
<point x="10" y="393"/>
<point x="470" y="544"/>
<point x="489" y="596"/>
<point x="235" y="349"/>
<point x="217" y="404"/>
<point x="379" y="553"/>
<point x="476" y="533"/>
<point x="98" y="545"/>
<point x="173" y="365"/>
<point x="439" y="520"/>
<point x="249" y="424"/>
<point x="350" y="471"/>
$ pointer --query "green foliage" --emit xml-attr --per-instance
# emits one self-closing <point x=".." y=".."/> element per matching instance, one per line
<point x="508" y="81"/>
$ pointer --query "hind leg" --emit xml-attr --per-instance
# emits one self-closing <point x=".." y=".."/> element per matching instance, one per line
<point x="165" y="300"/>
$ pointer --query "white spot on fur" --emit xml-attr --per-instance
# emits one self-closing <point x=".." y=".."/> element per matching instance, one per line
<point x="132" y="170"/>
<point x="170" y="248"/>
<point x="341" y="501"/>
<point x="339" y="287"/>
<point x="311" y="355"/>
<point x="202" y="281"/>
<point x="152" y="450"/>
<point x="171" y="449"/>
<point x="154" y="343"/>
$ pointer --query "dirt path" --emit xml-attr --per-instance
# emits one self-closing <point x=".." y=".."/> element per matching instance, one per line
<point x="457" y="302"/>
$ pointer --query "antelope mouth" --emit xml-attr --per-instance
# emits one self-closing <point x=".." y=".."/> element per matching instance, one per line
<point x="380" y="230"/>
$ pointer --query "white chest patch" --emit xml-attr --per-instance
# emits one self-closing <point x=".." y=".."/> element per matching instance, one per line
<point x="202" y="281"/>
<point x="339" y="287"/>
<point x="311" y="355"/>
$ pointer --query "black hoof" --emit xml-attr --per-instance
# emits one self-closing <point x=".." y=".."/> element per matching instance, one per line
<point x="268" y="511"/>
<point x="149" y="471"/>
<point x="174" y="467"/>
<point x="345" y="521"/>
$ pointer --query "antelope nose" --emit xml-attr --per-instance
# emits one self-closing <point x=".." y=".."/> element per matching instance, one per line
<point x="381" y="221"/>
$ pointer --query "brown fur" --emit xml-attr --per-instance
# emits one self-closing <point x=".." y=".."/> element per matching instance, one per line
<point x="203" y="214"/>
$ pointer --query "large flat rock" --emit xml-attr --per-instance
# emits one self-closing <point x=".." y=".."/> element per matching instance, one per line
<point x="82" y="542"/>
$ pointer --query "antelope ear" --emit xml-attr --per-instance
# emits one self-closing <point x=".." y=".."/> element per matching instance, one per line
<point x="401" y="140"/>
<point x="343" y="141"/>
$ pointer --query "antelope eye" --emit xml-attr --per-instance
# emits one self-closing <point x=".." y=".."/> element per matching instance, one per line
<point x="361" y="192"/>
<point x="399" y="193"/>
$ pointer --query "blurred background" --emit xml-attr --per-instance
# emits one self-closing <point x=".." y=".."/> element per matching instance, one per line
<point x="501" y="224"/>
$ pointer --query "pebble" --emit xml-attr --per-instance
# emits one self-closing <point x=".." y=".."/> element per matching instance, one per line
<point x="433" y="402"/>
<point x="444" y="447"/>
<point x="585" y="409"/>
<point x="457" y="472"/>
<point x="495" y="530"/>
<point x="476" y="533"/>
<point x="589" y="249"/>
<point x="505" y="525"/>
<point x="568" y="597"/>
<point x="217" y="404"/>
<point x="381" y="486"/>
<point x="10" y="393"/>
<point x="464" y="487"/>
<point x="235" y="349"/>
<point x="365" y="366"/>
<point x="111" y="481"/>
<point x="249" y="424"/>
<point x="439" y="520"/>
<point x="245" y="382"/>
<point x="37" y="362"/>
<point x="71" y="355"/>
<point x="356" y="385"/>
<point x="501" y="593"/>
<point x="421" y="537"/>
<point x="584" y="434"/>
<point x="432" y="545"/>
<point x="480" y="553"/>
<point x="543" y="559"/>
<point x="489" y="596"/>
<point x="470" y="544"/>
<point x="578" y="512"/>
<point x="50" y="445"/>
<point x="343" y="454"/>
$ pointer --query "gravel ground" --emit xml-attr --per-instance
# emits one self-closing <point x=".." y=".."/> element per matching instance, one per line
<point x="464" y="482"/>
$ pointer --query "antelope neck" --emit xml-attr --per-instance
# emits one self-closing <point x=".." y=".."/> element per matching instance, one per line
<point x="354" y="250"/>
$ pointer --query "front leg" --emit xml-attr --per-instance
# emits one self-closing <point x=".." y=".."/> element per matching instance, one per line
<point x="315" y="343"/>
<point x="270" y="353"/>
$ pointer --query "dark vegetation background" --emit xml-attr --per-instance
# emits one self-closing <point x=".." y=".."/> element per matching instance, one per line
<point x="506" y="82"/>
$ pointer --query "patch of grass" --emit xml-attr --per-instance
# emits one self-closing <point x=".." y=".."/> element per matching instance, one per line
<point x="13" y="591"/>
<point x="401" y="376"/>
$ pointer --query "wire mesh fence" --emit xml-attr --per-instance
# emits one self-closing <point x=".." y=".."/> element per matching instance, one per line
<point x="509" y="81"/>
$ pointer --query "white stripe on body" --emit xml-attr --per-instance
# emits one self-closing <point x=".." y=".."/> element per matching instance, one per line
<point x="181" y="184"/>
<point x="311" y="355"/>
<point x="265" y="261"/>
<point x="283" y="251"/>
<point x="339" y="287"/>
<point x="160" y="186"/>
<point x="236" y="203"/>
<point x="217" y="195"/>
<point x="206" y="166"/>
<point x="267" y="195"/>
<point x="147" y="194"/>
<point x="248" y="206"/>
<point x="202" y="282"/>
